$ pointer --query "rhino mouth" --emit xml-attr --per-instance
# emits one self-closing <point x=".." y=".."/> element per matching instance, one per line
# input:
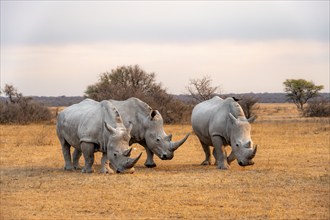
<point x="248" y="163"/>
<point x="166" y="157"/>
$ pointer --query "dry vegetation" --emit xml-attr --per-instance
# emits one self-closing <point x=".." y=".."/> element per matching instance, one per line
<point x="290" y="179"/>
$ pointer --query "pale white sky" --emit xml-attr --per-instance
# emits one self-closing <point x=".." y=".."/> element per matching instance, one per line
<point x="53" y="48"/>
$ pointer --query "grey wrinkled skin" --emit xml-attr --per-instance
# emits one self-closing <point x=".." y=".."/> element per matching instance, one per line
<point x="219" y="123"/>
<point x="91" y="126"/>
<point x="147" y="129"/>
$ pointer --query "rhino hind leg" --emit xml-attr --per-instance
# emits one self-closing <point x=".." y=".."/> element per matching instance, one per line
<point x="150" y="159"/>
<point x="75" y="157"/>
<point x="207" y="152"/>
<point x="88" y="152"/>
<point x="66" y="154"/>
<point x="215" y="157"/>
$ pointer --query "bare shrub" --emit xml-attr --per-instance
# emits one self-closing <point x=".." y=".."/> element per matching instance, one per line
<point x="318" y="107"/>
<point x="21" y="110"/>
<point x="132" y="81"/>
<point x="201" y="89"/>
<point x="249" y="105"/>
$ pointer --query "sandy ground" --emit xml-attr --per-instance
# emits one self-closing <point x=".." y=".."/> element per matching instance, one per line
<point x="290" y="178"/>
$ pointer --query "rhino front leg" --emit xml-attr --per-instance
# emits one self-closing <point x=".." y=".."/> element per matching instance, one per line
<point x="220" y="153"/>
<point x="150" y="159"/>
<point x="207" y="152"/>
<point x="231" y="157"/>
<point x="66" y="154"/>
<point x="105" y="164"/>
<point x="76" y="156"/>
<point x="88" y="152"/>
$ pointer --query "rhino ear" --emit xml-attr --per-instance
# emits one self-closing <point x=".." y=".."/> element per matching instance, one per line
<point x="232" y="118"/>
<point x="111" y="129"/>
<point x="252" y="119"/>
<point x="168" y="137"/>
<point x="130" y="126"/>
<point x="153" y="113"/>
<point x="118" y="118"/>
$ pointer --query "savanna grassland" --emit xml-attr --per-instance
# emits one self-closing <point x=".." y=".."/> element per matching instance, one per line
<point x="290" y="178"/>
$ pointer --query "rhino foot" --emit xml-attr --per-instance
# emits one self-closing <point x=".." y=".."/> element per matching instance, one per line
<point x="87" y="170"/>
<point x="107" y="170"/>
<point x="223" y="166"/>
<point x="68" y="168"/>
<point x="150" y="165"/>
<point x="77" y="167"/>
<point x="206" y="163"/>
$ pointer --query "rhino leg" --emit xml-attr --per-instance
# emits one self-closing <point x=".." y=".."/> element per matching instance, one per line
<point x="215" y="156"/>
<point x="66" y="154"/>
<point x="75" y="157"/>
<point x="150" y="159"/>
<point x="231" y="157"/>
<point x="88" y="152"/>
<point x="105" y="164"/>
<point x="207" y="152"/>
<point x="220" y="153"/>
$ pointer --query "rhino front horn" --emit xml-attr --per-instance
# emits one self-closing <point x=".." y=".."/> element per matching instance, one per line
<point x="176" y="145"/>
<point x="132" y="161"/>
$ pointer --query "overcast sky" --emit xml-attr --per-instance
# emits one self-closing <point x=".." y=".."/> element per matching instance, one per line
<point x="53" y="48"/>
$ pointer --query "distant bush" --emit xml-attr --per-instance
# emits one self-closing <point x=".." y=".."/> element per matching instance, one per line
<point x="319" y="107"/>
<point x="132" y="81"/>
<point x="249" y="105"/>
<point x="248" y="102"/>
<point x="22" y="110"/>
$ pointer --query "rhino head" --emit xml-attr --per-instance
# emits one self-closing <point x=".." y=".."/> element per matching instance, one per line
<point x="118" y="150"/>
<point x="241" y="143"/>
<point x="157" y="140"/>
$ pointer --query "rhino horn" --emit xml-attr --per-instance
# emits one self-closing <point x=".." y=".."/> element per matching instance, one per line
<point x="254" y="151"/>
<point x="176" y="145"/>
<point x="127" y="152"/>
<point x="132" y="161"/>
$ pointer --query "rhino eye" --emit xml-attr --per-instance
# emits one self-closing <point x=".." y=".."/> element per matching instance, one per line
<point x="237" y="145"/>
<point x="157" y="139"/>
<point x="115" y="154"/>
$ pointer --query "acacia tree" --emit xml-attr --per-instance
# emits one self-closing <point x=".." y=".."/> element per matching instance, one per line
<point x="201" y="89"/>
<point x="299" y="91"/>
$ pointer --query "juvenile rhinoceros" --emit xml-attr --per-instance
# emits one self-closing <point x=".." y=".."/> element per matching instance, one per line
<point x="147" y="129"/>
<point x="218" y="123"/>
<point x="91" y="126"/>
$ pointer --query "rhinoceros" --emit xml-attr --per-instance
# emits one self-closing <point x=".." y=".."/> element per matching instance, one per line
<point x="220" y="122"/>
<point x="91" y="126"/>
<point x="147" y="129"/>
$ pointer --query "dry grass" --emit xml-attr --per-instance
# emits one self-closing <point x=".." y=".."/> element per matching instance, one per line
<point x="290" y="179"/>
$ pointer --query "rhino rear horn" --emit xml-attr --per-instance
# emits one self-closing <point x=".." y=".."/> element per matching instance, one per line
<point x="127" y="152"/>
<point x="176" y="145"/>
<point x="132" y="161"/>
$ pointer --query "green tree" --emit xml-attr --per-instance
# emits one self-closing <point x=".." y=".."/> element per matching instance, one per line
<point x="300" y="91"/>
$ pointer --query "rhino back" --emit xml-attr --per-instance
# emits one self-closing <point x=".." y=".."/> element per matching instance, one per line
<point x="84" y="122"/>
<point x="135" y="111"/>
<point x="210" y="118"/>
